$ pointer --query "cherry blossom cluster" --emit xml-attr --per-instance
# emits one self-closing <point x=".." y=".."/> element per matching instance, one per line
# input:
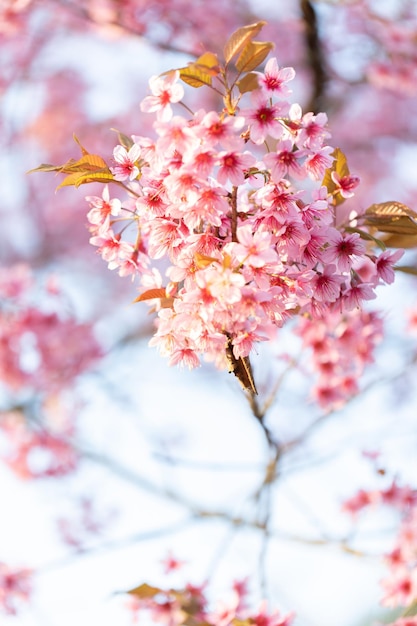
<point x="15" y="588"/>
<point x="395" y="68"/>
<point x="341" y="347"/>
<point x="232" y="206"/>
<point x="400" y="586"/>
<point x="87" y="523"/>
<point x="32" y="452"/>
<point x="191" y="605"/>
<point x="41" y="348"/>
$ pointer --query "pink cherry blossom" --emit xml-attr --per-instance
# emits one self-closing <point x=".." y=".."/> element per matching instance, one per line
<point x="273" y="80"/>
<point x="233" y="165"/>
<point x="345" y="184"/>
<point x="326" y="285"/>
<point x="263" y="118"/>
<point x="343" y="249"/>
<point x="385" y="265"/>
<point x="313" y="130"/>
<point x="102" y="208"/>
<point x="285" y="161"/>
<point x="254" y="249"/>
<point x="165" y="91"/>
<point x="125" y="167"/>
<point x="15" y="588"/>
<point x="317" y="162"/>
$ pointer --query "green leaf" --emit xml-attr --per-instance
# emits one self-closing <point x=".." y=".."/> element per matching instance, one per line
<point x="238" y="40"/>
<point x="253" y="54"/>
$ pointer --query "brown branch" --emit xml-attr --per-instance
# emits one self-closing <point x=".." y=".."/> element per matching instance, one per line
<point x="233" y="203"/>
<point x="315" y="56"/>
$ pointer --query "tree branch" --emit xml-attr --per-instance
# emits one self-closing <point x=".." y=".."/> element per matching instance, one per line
<point x="315" y="57"/>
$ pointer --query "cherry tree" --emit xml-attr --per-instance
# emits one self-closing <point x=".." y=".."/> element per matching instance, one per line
<point x="250" y="177"/>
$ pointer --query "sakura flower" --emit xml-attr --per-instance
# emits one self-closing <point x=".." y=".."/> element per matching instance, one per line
<point x="215" y="129"/>
<point x="165" y="90"/>
<point x="126" y="162"/>
<point x="384" y="265"/>
<point x="345" y="184"/>
<point x="263" y="118"/>
<point x="185" y="357"/>
<point x="342" y="249"/>
<point x="102" y="208"/>
<point x="209" y="207"/>
<point x="110" y="245"/>
<point x="224" y="284"/>
<point x="171" y="563"/>
<point x="285" y="161"/>
<point x="327" y="285"/>
<point x="232" y="166"/>
<point x="15" y="588"/>
<point x="263" y="618"/>
<point x="359" y="501"/>
<point x="175" y="136"/>
<point x="317" y="163"/>
<point x="254" y="249"/>
<point x="273" y="80"/>
<point x="357" y="293"/>
<point x="313" y="131"/>
<point x="400" y="588"/>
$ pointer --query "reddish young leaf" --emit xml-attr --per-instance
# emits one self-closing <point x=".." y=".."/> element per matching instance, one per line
<point x="151" y="294"/>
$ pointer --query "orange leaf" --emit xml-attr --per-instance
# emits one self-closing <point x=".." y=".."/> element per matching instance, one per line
<point x="82" y="178"/>
<point x="151" y="294"/>
<point x="202" y="261"/>
<point x="254" y="53"/>
<point x="238" y="40"/>
<point x="249" y="82"/>
<point x="208" y="59"/>
<point x="83" y="150"/>
<point x="196" y="75"/>
<point x="391" y="217"/>
<point x="340" y="166"/>
<point x="145" y="591"/>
